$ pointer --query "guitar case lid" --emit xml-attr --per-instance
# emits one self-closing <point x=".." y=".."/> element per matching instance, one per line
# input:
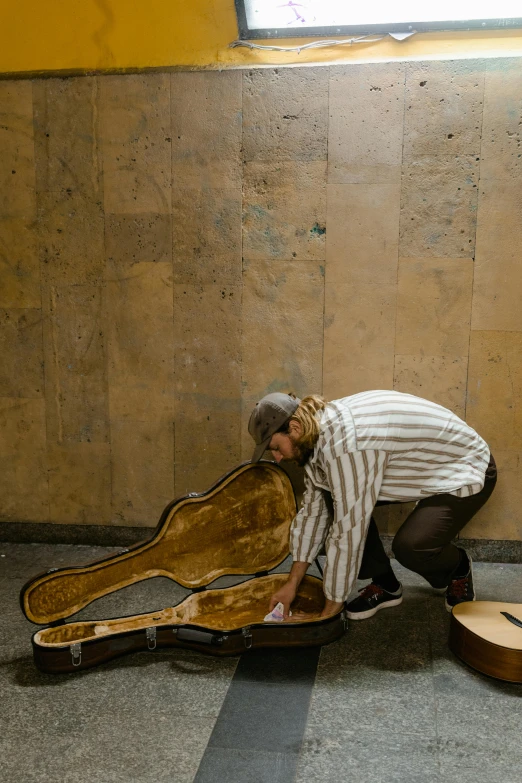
<point x="239" y="526"/>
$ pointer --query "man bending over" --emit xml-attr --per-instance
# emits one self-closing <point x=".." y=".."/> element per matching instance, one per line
<point x="371" y="448"/>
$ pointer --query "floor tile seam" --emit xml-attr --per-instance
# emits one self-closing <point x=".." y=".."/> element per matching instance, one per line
<point x="429" y="738"/>
<point x="354" y="694"/>
<point x="207" y="715"/>
<point x="257" y="752"/>
<point x="295" y="683"/>
<point x="270" y="752"/>
<point x="420" y="676"/>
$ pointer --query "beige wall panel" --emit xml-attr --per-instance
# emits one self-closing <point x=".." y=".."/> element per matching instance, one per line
<point x="207" y="357"/>
<point x="204" y="317"/>
<point x="135" y="141"/>
<point x="494" y="404"/>
<point x="24" y="495"/>
<point x="247" y="444"/>
<point x="500" y="518"/>
<point x="138" y="311"/>
<point x="207" y="442"/>
<point x="207" y="236"/>
<point x="282" y="328"/>
<point x="443" y="108"/>
<point x="19" y="264"/>
<point x="285" y="114"/>
<point x="17" y="177"/>
<point x="21" y="349"/>
<point x="212" y="461"/>
<point x="65" y="131"/>
<point x="497" y="289"/>
<point x="284" y="210"/>
<point x="434" y="306"/>
<point x="75" y="372"/>
<point x="363" y="235"/>
<point x="366" y="123"/>
<point x="206" y="130"/>
<point x="439" y="207"/>
<point x="282" y="341"/>
<point x="441" y="379"/>
<point x="358" y="339"/>
<point x="142" y="460"/>
<point x="70" y="230"/>
<point x="132" y="239"/>
<point x="501" y="154"/>
<point x="80" y="483"/>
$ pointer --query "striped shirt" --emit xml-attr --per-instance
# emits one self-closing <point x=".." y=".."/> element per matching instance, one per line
<point x="378" y="445"/>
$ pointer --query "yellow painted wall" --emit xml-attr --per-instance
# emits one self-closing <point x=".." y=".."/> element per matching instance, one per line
<point x="88" y="35"/>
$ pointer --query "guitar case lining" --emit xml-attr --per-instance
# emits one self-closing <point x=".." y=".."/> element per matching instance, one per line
<point x="239" y="526"/>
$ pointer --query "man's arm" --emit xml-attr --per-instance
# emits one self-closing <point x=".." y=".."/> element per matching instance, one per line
<point x="306" y="538"/>
<point x="355" y="479"/>
<point x="308" y="529"/>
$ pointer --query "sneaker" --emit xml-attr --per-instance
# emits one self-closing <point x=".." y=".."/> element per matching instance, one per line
<point x="372" y="598"/>
<point x="461" y="589"/>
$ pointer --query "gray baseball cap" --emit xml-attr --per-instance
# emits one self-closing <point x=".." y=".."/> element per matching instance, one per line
<point x="268" y="417"/>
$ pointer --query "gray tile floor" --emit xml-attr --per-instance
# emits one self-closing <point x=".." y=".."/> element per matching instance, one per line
<point x="390" y="702"/>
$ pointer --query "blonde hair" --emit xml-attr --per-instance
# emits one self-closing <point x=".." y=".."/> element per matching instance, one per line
<point x="306" y="416"/>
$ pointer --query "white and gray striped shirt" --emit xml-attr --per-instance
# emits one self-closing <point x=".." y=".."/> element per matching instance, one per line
<point x="378" y="445"/>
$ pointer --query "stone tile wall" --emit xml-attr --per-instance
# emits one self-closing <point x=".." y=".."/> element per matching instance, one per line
<point x="175" y="246"/>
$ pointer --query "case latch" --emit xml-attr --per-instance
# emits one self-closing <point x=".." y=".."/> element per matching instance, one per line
<point x="151" y="637"/>
<point x="247" y="636"/>
<point x="76" y="653"/>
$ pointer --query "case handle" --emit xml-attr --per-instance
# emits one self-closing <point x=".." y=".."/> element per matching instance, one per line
<point x="201" y="637"/>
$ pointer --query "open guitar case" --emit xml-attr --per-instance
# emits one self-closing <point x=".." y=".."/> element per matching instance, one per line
<point x="239" y="526"/>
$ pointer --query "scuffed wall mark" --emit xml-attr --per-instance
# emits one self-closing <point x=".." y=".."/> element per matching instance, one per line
<point x="317" y="230"/>
<point x="94" y="134"/>
<point x="99" y="37"/>
<point x="258" y="211"/>
<point x="57" y="394"/>
<point x="513" y="405"/>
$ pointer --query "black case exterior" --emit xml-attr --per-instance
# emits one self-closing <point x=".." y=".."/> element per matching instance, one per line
<point x="91" y="653"/>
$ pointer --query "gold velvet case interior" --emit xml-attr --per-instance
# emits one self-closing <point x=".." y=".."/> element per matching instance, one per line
<point x="226" y="609"/>
<point x="239" y="526"/>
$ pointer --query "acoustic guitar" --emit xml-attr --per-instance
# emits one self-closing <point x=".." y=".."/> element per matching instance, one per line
<point x="487" y="635"/>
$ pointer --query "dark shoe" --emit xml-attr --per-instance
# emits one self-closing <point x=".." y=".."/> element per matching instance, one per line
<point x="460" y="589"/>
<point x="372" y="598"/>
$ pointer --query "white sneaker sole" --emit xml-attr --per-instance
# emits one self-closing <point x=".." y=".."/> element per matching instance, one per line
<point x="371" y="612"/>
<point x="450" y="608"/>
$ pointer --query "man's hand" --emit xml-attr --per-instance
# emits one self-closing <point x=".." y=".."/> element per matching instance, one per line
<point x="285" y="595"/>
<point x="288" y="592"/>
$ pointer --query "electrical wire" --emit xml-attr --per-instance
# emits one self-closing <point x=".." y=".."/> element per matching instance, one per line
<point x="312" y="45"/>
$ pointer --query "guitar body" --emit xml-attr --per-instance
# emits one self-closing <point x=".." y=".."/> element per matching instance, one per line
<point x="486" y="636"/>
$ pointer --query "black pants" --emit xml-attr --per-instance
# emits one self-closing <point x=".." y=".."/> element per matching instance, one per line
<point x="423" y="543"/>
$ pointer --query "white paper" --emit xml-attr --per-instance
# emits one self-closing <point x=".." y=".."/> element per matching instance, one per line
<point x="277" y="614"/>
